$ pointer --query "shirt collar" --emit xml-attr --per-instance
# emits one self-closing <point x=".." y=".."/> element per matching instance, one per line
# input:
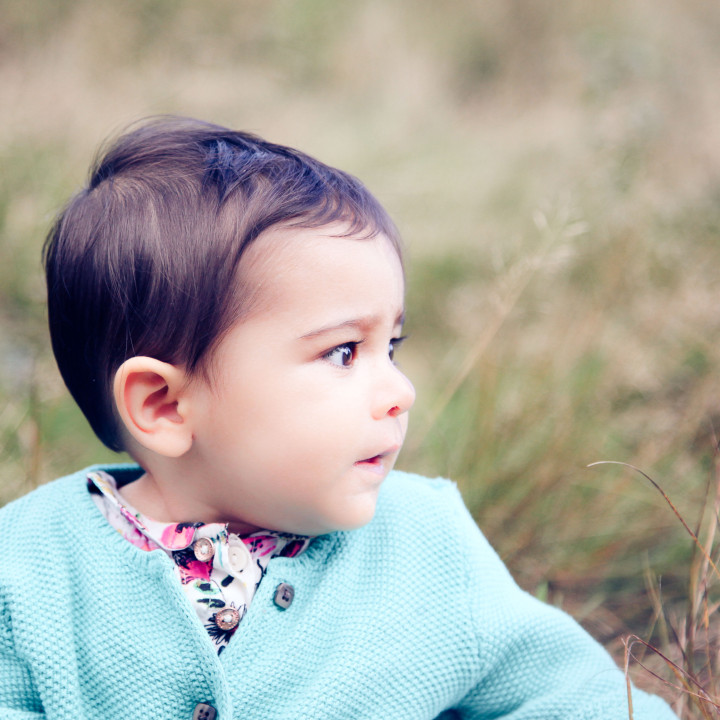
<point x="180" y="536"/>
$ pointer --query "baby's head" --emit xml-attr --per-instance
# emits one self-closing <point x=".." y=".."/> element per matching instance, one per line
<point x="208" y="290"/>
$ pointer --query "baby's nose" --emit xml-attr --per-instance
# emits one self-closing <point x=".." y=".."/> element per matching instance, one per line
<point x="398" y="396"/>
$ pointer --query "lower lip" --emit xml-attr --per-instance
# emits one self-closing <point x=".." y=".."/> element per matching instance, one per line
<point x="375" y="466"/>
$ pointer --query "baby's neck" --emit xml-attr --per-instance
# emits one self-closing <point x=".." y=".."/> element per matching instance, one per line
<point x="155" y="501"/>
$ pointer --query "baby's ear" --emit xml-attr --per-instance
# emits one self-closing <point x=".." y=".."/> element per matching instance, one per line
<point x="152" y="400"/>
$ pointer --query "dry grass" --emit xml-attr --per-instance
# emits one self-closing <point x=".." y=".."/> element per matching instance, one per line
<point x="681" y="658"/>
<point x="556" y="174"/>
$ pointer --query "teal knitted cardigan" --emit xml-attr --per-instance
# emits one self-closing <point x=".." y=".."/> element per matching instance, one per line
<point x="406" y="617"/>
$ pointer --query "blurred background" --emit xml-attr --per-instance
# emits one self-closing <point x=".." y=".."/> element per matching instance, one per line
<point x="555" y="171"/>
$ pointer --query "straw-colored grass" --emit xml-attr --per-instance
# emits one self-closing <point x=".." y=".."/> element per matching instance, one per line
<point x="555" y="170"/>
<point x="680" y="659"/>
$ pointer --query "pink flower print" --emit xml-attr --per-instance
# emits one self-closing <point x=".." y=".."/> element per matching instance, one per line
<point x="261" y="544"/>
<point x="194" y="570"/>
<point x="177" y="536"/>
<point x="132" y="518"/>
<point x="134" y="536"/>
<point x="293" y="548"/>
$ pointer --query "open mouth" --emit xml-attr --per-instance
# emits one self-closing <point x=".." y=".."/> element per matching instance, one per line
<point x="376" y="463"/>
<point x="373" y="464"/>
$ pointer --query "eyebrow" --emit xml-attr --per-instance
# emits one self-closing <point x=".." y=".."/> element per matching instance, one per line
<point x="363" y="323"/>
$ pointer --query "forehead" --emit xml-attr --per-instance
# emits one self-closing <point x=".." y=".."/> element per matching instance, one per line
<point x="286" y="268"/>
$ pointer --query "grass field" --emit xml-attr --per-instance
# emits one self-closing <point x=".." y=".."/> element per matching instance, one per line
<point x="555" y="172"/>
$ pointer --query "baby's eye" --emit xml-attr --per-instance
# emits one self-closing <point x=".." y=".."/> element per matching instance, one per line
<point x="395" y="343"/>
<point x="342" y="355"/>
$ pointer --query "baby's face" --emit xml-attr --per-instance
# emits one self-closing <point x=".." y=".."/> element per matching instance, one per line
<point x="307" y="410"/>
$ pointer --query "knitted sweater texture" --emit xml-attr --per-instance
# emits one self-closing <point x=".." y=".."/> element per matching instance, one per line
<point x="404" y="618"/>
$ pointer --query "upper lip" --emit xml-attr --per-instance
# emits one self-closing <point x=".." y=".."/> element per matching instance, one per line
<point x="388" y="451"/>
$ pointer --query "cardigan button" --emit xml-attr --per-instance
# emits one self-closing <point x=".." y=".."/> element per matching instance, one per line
<point x="284" y="595"/>
<point x="203" y="711"/>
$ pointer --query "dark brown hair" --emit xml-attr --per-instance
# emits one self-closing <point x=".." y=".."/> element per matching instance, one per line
<point x="143" y="261"/>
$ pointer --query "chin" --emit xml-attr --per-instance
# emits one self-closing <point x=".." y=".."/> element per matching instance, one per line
<point x="357" y="519"/>
<point x="349" y="513"/>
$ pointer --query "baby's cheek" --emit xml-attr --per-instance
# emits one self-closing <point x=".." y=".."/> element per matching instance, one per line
<point x="404" y="419"/>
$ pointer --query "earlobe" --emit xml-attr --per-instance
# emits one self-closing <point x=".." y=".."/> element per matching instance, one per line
<point x="150" y="397"/>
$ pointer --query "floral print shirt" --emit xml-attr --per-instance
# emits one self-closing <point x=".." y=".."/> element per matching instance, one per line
<point x="218" y="570"/>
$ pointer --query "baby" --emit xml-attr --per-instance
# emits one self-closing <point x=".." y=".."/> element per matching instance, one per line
<point x="227" y="311"/>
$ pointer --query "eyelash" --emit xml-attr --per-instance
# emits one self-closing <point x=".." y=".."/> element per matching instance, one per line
<point x="393" y="345"/>
<point x="353" y="352"/>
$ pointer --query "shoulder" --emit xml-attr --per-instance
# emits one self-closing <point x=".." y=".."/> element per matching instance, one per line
<point x="57" y="532"/>
<point x="35" y="506"/>
<point x="53" y="507"/>
<point x="404" y="493"/>
<point x="429" y="513"/>
<point x="428" y="517"/>
<point x="431" y="505"/>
